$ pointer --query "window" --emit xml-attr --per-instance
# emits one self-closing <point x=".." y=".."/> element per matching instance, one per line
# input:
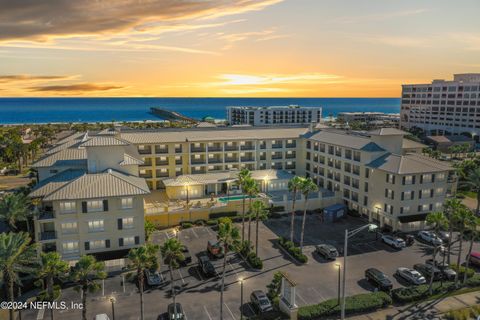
<point x="67" y="207"/>
<point x="128" y="241"/>
<point x="95" y="226"/>
<point x="409" y="180"/>
<point x="388" y="208"/>
<point x="96" y="244"/>
<point x="440" y="176"/>
<point x="94" y="205"/>
<point x="426" y="178"/>
<point x="70" y="247"/>
<point x="69" y="227"/>
<point x="424" y="207"/>
<point x="389" y="194"/>
<point x="367" y="173"/>
<point x="439" y="191"/>
<point x="425" y="193"/>
<point x="390" y="178"/>
<point x="127" y="203"/>
<point x="127" y="223"/>
<point x="407" y="195"/>
<point x="405" y="209"/>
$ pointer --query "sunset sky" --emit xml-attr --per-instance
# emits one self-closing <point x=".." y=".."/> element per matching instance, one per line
<point x="223" y="48"/>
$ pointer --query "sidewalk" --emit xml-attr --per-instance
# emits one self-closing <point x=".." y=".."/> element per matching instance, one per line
<point x="431" y="309"/>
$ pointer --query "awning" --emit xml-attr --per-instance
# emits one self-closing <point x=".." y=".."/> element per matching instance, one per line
<point x="413" y="218"/>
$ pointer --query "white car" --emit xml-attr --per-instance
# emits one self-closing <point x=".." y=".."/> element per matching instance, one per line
<point x="394" y="242"/>
<point x="430" y="237"/>
<point x="411" y="275"/>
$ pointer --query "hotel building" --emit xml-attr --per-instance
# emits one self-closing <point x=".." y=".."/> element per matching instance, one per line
<point x="443" y="107"/>
<point x="283" y="115"/>
<point x="96" y="189"/>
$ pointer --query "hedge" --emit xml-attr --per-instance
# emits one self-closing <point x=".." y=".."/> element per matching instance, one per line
<point x="217" y="215"/>
<point x="365" y="302"/>
<point x="294" y="251"/>
<point x="186" y="224"/>
<point x="255" y="261"/>
<point x="462" y="270"/>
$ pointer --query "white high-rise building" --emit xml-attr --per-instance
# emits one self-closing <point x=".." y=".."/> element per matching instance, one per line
<point x="282" y="115"/>
<point x="443" y="107"/>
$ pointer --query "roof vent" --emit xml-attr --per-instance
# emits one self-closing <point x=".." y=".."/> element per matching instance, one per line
<point x="109" y="170"/>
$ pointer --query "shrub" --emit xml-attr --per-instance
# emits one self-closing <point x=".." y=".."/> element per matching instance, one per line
<point x="354" y="304"/>
<point x="473" y="281"/>
<point x="255" y="261"/>
<point x="186" y="224"/>
<point x="274" y="288"/>
<point x="212" y="222"/>
<point x="415" y="293"/>
<point x="237" y="219"/>
<point x="199" y="222"/>
<point x="464" y="314"/>
<point x="222" y="214"/>
<point x="224" y="220"/>
<point x="461" y="271"/>
<point x="294" y="251"/>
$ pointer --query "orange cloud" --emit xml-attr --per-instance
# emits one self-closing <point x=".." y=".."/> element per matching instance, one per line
<point x="75" y="88"/>
<point x="43" y="20"/>
<point x="27" y="77"/>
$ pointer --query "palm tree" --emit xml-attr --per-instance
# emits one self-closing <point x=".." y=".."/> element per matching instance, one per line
<point x="229" y="237"/>
<point x="461" y="218"/>
<point x="438" y="221"/>
<point x="242" y="176"/>
<point x="472" y="180"/>
<point x="17" y="255"/>
<point x="51" y="267"/>
<point x="86" y="273"/>
<point x="172" y="256"/>
<point x="260" y="210"/>
<point x="450" y="207"/>
<point x="294" y="185"/>
<point x="306" y="188"/>
<point x="143" y="258"/>
<point x="14" y="207"/>
<point x="474" y="235"/>
<point x="252" y="189"/>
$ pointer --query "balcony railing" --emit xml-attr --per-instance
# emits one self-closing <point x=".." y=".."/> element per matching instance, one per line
<point x="215" y="149"/>
<point x="198" y="161"/>
<point x="277" y="146"/>
<point x="291" y="145"/>
<point x="145" y="151"/>
<point x="178" y="161"/>
<point x="244" y="159"/>
<point x="178" y="150"/>
<point x="46" y="215"/>
<point x="198" y="149"/>
<point x="231" y="148"/>
<point x="215" y="160"/>
<point x="161" y="150"/>
<point x="161" y="162"/>
<point x="292" y="156"/>
<point x="247" y="147"/>
<point x="231" y="159"/>
<point x="277" y="157"/>
<point x="47" y="235"/>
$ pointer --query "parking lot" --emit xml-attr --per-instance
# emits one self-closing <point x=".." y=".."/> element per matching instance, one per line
<point x="316" y="281"/>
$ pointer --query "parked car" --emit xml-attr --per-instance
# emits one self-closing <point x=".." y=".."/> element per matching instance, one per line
<point x="153" y="278"/>
<point x="394" y="242"/>
<point x="327" y="251"/>
<point x="206" y="266"/>
<point x="214" y="249"/>
<point x="426" y="271"/>
<point x="260" y="301"/>
<point x="410" y="275"/>
<point x="447" y="272"/>
<point x="444" y="236"/>
<point x="408" y="238"/>
<point x="186" y="255"/>
<point x="378" y="279"/>
<point x="475" y="258"/>
<point x="430" y="237"/>
<point x="175" y="312"/>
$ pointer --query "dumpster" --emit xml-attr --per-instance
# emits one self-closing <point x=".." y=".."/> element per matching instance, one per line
<point x="334" y="212"/>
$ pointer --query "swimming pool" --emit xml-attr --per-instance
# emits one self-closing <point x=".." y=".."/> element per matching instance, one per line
<point x="234" y="198"/>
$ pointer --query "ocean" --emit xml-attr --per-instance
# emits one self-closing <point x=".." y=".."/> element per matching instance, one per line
<point x="54" y="110"/>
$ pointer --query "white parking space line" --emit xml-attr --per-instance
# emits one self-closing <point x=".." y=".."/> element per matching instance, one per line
<point x="321" y="298"/>
<point x="231" y="313"/>
<point x="233" y="269"/>
<point x="250" y="307"/>
<point x="186" y="318"/>
<point x="209" y="232"/>
<point x="301" y="298"/>
<point x="181" y="277"/>
<point x="194" y="233"/>
<point x="208" y="314"/>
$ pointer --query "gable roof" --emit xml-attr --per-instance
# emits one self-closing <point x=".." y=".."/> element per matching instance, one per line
<point x="104" y="141"/>
<point x="408" y="164"/>
<point x="130" y="160"/>
<point x="69" y="156"/>
<point x="409" y="144"/>
<point x="98" y="185"/>
<point x="387" y="132"/>
<point x="52" y="184"/>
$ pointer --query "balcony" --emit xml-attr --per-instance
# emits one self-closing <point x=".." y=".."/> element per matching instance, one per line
<point x="47" y="235"/>
<point x="161" y="150"/>
<point x="146" y="175"/>
<point x="146" y="163"/>
<point x="292" y="145"/>
<point x="46" y="215"/>
<point x="198" y="161"/>
<point x="161" y="174"/>
<point x="228" y="159"/>
<point x="277" y="146"/>
<point x="277" y="157"/>
<point x="290" y="167"/>
<point x="263" y="146"/>
<point x="145" y="151"/>
<point x="178" y="161"/>
<point x="263" y="157"/>
<point x="159" y="162"/>
<point x="198" y="149"/>
<point x="215" y="149"/>
<point x="233" y="147"/>
<point x="246" y="159"/>
<point x="247" y="146"/>
<point x="179" y="149"/>
<point x="215" y="160"/>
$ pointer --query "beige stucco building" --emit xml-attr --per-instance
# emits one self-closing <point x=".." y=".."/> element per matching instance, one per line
<point x="92" y="185"/>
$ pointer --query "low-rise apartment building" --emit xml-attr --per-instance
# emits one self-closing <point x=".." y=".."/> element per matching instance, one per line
<point x="281" y="115"/>
<point x="443" y="107"/>
<point x="92" y="186"/>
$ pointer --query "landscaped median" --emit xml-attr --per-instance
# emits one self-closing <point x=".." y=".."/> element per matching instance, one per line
<point x="365" y="302"/>
<point x="292" y="250"/>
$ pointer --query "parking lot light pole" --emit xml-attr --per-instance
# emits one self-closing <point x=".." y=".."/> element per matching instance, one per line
<point x="241" y="298"/>
<point x="339" y="276"/>
<point x="349" y="234"/>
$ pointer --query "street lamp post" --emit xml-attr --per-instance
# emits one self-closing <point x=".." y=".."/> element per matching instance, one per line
<point x="339" y="277"/>
<point x="112" y="301"/>
<point x="188" y="204"/>
<point x="241" y="298"/>
<point x="349" y="234"/>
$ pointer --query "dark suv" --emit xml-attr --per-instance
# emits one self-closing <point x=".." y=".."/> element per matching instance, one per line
<point x="206" y="266"/>
<point x="378" y="279"/>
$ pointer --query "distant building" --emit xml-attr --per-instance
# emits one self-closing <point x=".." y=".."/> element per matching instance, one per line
<point x="282" y="115"/>
<point x="443" y="107"/>
<point x="443" y="143"/>
<point x="370" y="117"/>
